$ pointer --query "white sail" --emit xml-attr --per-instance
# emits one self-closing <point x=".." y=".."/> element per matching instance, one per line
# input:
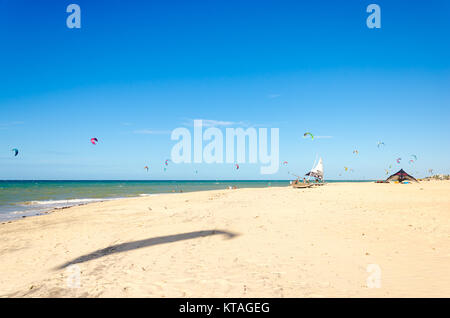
<point x="317" y="171"/>
<point x="319" y="167"/>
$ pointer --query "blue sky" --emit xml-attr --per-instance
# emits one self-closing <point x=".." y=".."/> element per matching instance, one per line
<point x="136" y="70"/>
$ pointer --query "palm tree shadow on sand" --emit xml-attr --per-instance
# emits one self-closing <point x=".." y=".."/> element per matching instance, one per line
<point x="119" y="248"/>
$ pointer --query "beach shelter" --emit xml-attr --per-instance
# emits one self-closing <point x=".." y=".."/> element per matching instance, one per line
<point x="317" y="171"/>
<point x="400" y="176"/>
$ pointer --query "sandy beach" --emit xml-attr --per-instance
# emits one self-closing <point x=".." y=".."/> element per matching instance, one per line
<point x="267" y="242"/>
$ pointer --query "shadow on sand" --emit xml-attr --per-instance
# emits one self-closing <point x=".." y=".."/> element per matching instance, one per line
<point x="119" y="248"/>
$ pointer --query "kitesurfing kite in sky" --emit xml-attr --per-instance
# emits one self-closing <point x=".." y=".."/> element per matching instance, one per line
<point x="356" y="152"/>
<point x="237" y="166"/>
<point x="398" y="160"/>
<point x="94" y="141"/>
<point x="146" y="167"/>
<point x="308" y="133"/>
<point x="380" y="143"/>
<point x="16" y="152"/>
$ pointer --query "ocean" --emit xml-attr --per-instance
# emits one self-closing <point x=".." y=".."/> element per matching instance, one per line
<point x="28" y="198"/>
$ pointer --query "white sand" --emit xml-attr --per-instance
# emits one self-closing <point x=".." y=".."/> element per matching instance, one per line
<point x="272" y="242"/>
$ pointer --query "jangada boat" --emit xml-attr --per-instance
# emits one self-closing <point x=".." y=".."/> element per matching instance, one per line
<point x="301" y="185"/>
<point x="316" y="172"/>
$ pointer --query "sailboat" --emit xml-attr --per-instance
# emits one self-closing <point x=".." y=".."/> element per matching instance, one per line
<point x="317" y="171"/>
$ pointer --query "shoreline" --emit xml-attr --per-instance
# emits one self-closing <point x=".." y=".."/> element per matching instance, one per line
<point x="48" y="210"/>
<point x="248" y="242"/>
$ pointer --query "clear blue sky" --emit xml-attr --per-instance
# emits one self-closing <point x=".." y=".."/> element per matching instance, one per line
<point x="138" y="69"/>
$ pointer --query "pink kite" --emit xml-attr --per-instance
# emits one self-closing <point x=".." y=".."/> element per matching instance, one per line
<point x="94" y="141"/>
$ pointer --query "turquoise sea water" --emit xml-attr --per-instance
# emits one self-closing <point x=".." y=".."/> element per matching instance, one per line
<point x="26" y="198"/>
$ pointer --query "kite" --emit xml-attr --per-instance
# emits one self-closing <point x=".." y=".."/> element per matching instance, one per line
<point x="411" y="161"/>
<point x="308" y="133"/>
<point x="146" y="167"/>
<point x="398" y="160"/>
<point x="237" y="166"/>
<point x="401" y="176"/>
<point x="346" y="168"/>
<point x="380" y="143"/>
<point x="94" y="141"/>
<point x="355" y="151"/>
<point x="167" y="162"/>
<point x="415" y="157"/>
<point x="285" y="163"/>
<point x="16" y="152"/>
